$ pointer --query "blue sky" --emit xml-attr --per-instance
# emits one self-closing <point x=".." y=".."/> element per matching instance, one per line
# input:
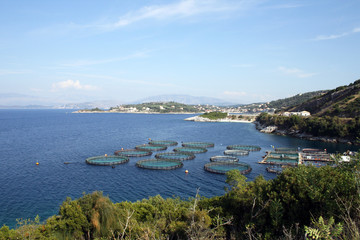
<point x="124" y="50"/>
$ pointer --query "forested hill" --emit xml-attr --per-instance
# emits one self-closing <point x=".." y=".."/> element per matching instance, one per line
<point x="343" y="102"/>
<point x="295" y="100"/>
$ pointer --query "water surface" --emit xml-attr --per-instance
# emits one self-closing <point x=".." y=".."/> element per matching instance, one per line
<point x="52" y="137"/>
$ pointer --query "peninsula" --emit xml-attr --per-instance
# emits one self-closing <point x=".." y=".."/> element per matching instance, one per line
<point x="223" y="117"/>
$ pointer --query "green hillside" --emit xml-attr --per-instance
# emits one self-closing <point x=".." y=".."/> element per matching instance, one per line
<point x="335" y="116"/>
<point x="343" y="102"/>
<point x="295" y="100"/>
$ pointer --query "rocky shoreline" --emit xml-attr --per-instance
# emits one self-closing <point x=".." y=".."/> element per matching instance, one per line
<point x="202" y="119"/>
<point x="275" y="130"/>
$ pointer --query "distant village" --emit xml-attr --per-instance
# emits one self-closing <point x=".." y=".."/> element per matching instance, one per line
<point x="182" y="108"/>
<point x="173" y="107"/>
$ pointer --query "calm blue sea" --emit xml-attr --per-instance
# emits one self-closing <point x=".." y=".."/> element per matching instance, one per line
<point x="52" y="137"/>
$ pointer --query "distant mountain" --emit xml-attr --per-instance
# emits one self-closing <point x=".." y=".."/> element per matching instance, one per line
<point x="25" y="107"/>
<point x="15" y="100"/>
<point x="88" y="105"/>
<point x="22" y="101"/>
<point x="185" y="99"/>
<point x="342" y="102"/>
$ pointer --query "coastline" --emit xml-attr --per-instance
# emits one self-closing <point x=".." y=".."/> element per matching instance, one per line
<point x="274" y="130"/>
<point x="202" y="119"/>
<point x="83" y="111"/>
<point x="194" y="118"/>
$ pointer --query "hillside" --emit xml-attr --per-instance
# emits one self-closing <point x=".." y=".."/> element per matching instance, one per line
<point x="295" y="100"/>
<point x="335" y="117"/>
<point x="343" y="102"/>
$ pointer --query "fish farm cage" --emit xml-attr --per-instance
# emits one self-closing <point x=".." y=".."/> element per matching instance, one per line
<point x="250" y="148"/>
<point x="223" y="167"/>
<point x="282" y="161"/>
<point x="159" y="164"/>
<point x="198" y="144"/>
<point x="151" y="147"/>
<point x="175" y="155"/>
<point x="236" y="152"/>
<point x="282" y="155"/>
<point x="133" y="153"/>
<point x="224" y="159"/>
<point x="190" y="149"/>
<point x="288" y="150"/>
<point x="107" y="160"/>
<point x="163" y="142"/>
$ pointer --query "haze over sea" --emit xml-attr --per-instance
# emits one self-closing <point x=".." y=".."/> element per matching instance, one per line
<point x="52" y="137"/>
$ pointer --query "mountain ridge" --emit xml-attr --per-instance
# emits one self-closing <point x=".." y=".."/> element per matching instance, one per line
<point x="185" y="99"/>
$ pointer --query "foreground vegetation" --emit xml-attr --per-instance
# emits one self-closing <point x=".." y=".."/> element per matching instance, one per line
<point x="214" y="115"/>
<point x="319" y="203"/>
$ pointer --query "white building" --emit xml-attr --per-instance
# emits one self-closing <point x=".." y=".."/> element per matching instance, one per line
<point x="302" y="114"/>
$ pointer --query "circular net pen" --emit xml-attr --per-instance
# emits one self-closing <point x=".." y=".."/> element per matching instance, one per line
<point x="224" y="159"/>
<point x="236" y="152"/>
<point x="175" y="155"/>
<point x="250" y="148"/>
<point x="151" y="147"/>
<point x="198" y="144"/>
<point x="159" y="164"/>
<point x="190" y="150"/>
<point x="107" y="160"/>
<point x="223" y="167"/>
<point x="133" y="153"/>
<point x="163" y="142"/>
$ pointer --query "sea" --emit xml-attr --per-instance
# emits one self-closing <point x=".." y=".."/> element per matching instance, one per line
<point x="55" y="137"/>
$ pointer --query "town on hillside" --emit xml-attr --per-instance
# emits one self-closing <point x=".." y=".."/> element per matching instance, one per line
<point x="174" y="107"/>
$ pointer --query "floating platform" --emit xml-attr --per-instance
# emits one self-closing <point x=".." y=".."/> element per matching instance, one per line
<point x="159" y="164"/>
<point x="198" y="144"/>
<point x="175" y="155"/>
<point x="163" y="142"/>
<point x="133" y="153"/>
<point x="151" y="147"/>
<point x="284" y="155"/>
<point x="313" y="150"/>
<point x="224" y="159"/>
<point x="318" y="156"/>
<point x="107" y="160"/>
<point x="244" y="147"/>
<point x="286" y="150"/>
<point x="234" y="152"/>
<point x="223" y="167"/>
<point x="282" y="158"/>
<point x="190" y="150"/>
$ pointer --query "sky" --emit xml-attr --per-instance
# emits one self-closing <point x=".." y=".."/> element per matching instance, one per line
<point x="242" y="51"/>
